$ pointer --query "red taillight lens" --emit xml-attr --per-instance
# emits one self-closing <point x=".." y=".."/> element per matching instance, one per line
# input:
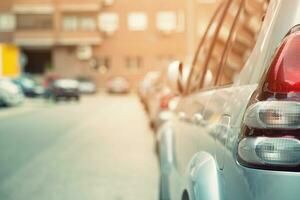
<point x="284" y="72"/>
<point x="270" y="137"/>
<point x="165" y="100"/>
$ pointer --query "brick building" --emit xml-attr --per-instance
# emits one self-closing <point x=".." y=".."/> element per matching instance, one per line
<point x="103" y="38"/>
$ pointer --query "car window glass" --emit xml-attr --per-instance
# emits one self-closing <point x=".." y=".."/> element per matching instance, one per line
<point x="210" y="75"/>
<point x="242" y="41"/>
<point x="205" y="44"/>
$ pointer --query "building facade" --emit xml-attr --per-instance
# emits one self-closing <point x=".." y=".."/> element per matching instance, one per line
<point x="103" y="38"/>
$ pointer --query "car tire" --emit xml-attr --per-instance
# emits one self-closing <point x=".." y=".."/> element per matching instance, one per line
<point x="77" y="98"/>
<point x="185" y="195"/>
<point x="152" y="125"/>
<point x="56" y="98"/>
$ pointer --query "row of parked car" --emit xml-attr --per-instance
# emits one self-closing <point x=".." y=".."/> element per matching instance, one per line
<point x="13" y="91"/>
<point x="234" y="132"/>
<point x="157" y="97"/>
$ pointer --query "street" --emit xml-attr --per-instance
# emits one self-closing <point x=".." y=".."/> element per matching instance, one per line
<point x="100" y="148"/>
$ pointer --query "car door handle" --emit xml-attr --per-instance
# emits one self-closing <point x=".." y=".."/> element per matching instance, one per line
<point x="183" y="117"/>
<point x="223" y="128"/>
<point x="196" y="119"/>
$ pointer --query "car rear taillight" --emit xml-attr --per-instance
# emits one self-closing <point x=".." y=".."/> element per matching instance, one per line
<point x="270" y="137"/>
<point x="165" y="100"/>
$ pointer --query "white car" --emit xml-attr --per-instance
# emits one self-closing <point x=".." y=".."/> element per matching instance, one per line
<point x="147" y="83"/>
<point x="118" y="85"/>
<point x="10" y="93"/>
<point x="87" y="87"/>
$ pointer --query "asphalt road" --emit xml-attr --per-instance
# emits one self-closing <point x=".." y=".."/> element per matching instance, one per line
<point x="98" y="149"/>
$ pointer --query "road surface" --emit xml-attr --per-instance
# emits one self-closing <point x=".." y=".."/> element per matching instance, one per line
<point x="98" y="149"/>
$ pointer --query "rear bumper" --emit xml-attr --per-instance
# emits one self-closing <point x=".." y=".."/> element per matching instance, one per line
<point x="66" y="94"/>
<point x="248" y="184"/>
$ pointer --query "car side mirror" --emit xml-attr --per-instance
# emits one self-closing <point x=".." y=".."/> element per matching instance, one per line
<point x="177" y="76"/>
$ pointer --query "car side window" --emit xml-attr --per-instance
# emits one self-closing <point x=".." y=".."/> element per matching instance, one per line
<point x="203" y="48"/>
<point x="242" y="41"/>
<point x="210" y="75"/>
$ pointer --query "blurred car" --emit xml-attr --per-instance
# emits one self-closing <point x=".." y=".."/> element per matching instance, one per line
<point x="158" y="105"/>
<point x="164" y="111"/>
<point x="64" y="89"/>
<point x="10" y="93"/>
<point x="29" y="86"/>
<point x="156" y="95"/>
<point x="146" y="84"/>
<point x="86" y="86"/>
<point x="118" y="85"/>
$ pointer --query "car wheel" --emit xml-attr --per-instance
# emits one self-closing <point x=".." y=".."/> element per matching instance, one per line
<point x="77" y="98"/>
<point x="56" y="98"/>
<point x="152" y="125"/>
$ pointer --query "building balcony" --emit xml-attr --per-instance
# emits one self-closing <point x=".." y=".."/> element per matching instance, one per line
<point x="34" y="38"/>
<point x="33" y="7"/>
<point x="79" y="5"/>
<point x="79" y="38"/>
<point x="42" y="38"/>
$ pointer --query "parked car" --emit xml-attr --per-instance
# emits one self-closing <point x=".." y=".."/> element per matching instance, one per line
<point x="147" y="83"/>
<point x="158" y="106"/>
<point x="64" y="89"/>
<point x="10" y="93"/>
<point x="237" y="136"/>
<point x="29" y="86"/>
<point x="86" y="86"/>
<point x="118" y="85"/>
<point x="156" y="95"/>
<point x="164" y="112"/>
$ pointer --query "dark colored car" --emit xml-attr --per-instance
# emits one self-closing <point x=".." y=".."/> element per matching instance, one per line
<point x="64" y="89"/>
<point x="29" y="86"/>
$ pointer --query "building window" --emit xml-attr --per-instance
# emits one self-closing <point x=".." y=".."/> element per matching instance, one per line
<point x="34" y="21"/>
<point x="108" y="2"/>
<point x="70" y="23"/>
<point x="134" y="63"/>
<point x="108" y="22"/>
<point x="7" y="22"/>
<point x="75" y="23"/>
<point x="170" y="21"/>
<point x="103" y="64"/>
<point x="137" y="21"/>
<point x="88" y="24"/>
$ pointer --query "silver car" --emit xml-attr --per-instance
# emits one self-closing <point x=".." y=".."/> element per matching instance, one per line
<point x="10" y="93"/>
<point x="236" y="136"/>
